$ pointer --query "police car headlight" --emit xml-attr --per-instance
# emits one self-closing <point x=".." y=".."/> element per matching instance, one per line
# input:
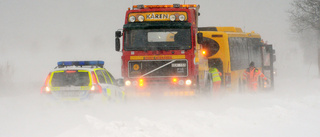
<point x="188" y="82"/>
<point x="141" y="18"/>
<point x="128" y="83"/>
<point x="172" y="17"/>
<point x="132" y="18"/>
<point x="182" y="17"/>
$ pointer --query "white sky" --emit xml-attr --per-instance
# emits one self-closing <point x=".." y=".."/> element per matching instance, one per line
<point x="35" y="34"/>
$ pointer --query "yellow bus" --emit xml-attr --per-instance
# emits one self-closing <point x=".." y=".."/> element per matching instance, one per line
<point x="231" y="50"/>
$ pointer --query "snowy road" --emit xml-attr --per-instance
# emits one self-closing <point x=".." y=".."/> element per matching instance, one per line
<point x="35" y="34"/>
<point x="288" y="111"/>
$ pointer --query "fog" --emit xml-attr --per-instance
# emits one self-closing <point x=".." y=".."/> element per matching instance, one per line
<point x="35" y="34"/>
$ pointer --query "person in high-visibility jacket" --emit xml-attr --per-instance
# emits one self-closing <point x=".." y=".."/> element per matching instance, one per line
<point x="251" y="77"/>
<point x="215" y="78"/>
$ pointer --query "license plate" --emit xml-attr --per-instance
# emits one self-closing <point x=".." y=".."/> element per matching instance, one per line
<point x="178" y="65"/>
<point x="70" y="88"/>
<point x="70" y="93"/>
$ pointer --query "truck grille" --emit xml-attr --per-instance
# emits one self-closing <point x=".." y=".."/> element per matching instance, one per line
<point x="158" y="68"/>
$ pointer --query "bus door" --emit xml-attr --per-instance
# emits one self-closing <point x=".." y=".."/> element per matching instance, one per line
<point x="268" y="58"/>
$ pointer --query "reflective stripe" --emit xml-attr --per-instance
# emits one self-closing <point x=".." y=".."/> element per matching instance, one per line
<point x="109" y="77"/>
<point x="108" y="92"/>
<point x="123" y="94"/>
<point x="215" y="74"/>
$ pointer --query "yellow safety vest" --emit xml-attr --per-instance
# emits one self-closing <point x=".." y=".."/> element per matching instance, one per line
<point x="215" y="74"/>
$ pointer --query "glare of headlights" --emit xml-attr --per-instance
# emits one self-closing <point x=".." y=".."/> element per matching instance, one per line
<point x="174" y="80"/>
<point x="188" y="82"/>
<point x="140" y="82"/>
<point x="172" y="17"/>
<point x="182" y="17"/>
<point x="128" y="83"/>
<point x="132" y="18"/>
<point x="92" y="88"/>
<point x="141" y="18"/>
<point x="47" y="89"/>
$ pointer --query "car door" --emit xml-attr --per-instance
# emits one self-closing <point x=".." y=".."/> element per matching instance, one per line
<point x="109" y="90"/>
<point x="110" y="79"/>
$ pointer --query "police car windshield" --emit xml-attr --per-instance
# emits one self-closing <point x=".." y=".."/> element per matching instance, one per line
<point x="157" y="37"/>
<point x="70" y="78"/>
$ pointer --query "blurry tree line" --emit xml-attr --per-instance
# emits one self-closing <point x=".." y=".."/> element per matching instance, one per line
<point x="6" y="73"/>
<point x="305" y="20"/>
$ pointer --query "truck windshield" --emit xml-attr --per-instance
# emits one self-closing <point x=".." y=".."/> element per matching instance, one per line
<point x="157" y="38"/>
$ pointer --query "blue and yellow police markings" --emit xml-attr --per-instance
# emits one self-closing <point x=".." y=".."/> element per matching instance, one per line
<point x="112" y="94"/>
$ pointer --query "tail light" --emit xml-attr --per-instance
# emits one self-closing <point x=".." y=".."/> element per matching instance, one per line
<point x="265" y="84"/>
<point x="228" y="79"/>
<point x="174" y="80"/>
<point x="45" y="88"/>
<point x="94" y="79"/>
<point x="141" y="83"/>
<point x="95" y="86"/>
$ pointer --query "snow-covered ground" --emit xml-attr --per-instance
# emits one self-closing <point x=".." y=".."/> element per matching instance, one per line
<point x="35" y="34"/>
<point x="293" y="110"/>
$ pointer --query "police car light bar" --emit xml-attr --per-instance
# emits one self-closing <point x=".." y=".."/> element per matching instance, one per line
<point x="80" y="63"/>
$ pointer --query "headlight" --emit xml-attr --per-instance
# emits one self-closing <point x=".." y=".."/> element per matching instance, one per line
<point x="182" y="17"/>
<point x="172" y="17"/>
<point x="188" y="82"/>
<point x="132" y="18"/>
<point x="141" y="18"/>
<point x="128" y="83"/>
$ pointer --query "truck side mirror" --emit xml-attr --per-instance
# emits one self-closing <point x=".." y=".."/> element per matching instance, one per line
<point x="118" y="34"/>
<point x="117" y="44"/>
<point x="200" y="38"/>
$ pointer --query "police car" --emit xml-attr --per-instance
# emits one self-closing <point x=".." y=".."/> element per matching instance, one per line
<point x="78" y="80"/>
